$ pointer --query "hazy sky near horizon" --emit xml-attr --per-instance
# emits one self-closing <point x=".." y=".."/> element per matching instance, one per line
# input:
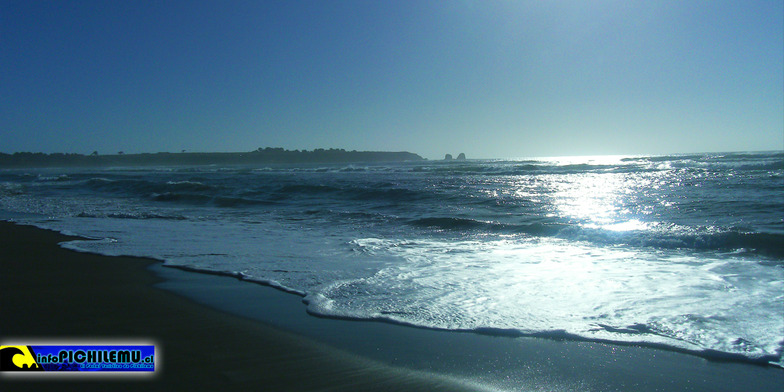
<point x="492" y="79"/>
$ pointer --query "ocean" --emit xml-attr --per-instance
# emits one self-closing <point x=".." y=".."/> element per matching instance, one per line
<point x="684" y="252"/>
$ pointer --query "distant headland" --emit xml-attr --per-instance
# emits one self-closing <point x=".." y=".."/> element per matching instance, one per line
<point x="267" y="155"/>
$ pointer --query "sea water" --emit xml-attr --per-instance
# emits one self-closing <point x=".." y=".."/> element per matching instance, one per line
<point x="681" y="251"/>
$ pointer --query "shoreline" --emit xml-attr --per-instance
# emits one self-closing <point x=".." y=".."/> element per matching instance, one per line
<point x="190" y="292"/>
<point x="371" y="350"/>
<point x="503" y="362"/>
<point x="113" y="298"/>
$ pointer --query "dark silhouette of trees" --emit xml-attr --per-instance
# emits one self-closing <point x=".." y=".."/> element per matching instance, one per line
<point x="266" y="155"/>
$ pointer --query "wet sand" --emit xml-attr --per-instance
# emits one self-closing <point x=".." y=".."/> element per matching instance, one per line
<point x="262" y="339"/>
<point x="47" y="292"/>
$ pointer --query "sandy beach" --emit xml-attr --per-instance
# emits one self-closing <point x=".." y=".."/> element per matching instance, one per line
<point x="262" y="339"/>
<point x="52" y="293"/>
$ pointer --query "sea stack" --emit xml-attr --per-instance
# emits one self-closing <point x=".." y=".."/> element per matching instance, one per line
<point x="461" y="157"/>
<point x="448" y="157"/>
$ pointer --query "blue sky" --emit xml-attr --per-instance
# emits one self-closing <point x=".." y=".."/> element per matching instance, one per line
<point x="492" y="79"/>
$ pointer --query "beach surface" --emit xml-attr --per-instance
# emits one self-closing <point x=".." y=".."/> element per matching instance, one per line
<point x="49" y="293"/>
<point x="262" y="338"/>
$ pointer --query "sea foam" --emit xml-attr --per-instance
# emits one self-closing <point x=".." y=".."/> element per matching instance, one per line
<point x="679" y="252"/>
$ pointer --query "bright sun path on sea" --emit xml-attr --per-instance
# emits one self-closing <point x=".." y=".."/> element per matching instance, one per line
<point x="597" y="199"/>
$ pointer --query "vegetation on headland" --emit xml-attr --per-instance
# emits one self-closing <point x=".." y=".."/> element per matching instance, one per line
<point x="259" y="156"/>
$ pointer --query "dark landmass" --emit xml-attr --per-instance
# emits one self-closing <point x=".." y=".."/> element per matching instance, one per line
<point x="260" y="156"/>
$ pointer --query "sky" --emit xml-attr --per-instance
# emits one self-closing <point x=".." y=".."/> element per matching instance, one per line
<point x="492" y="79"/>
